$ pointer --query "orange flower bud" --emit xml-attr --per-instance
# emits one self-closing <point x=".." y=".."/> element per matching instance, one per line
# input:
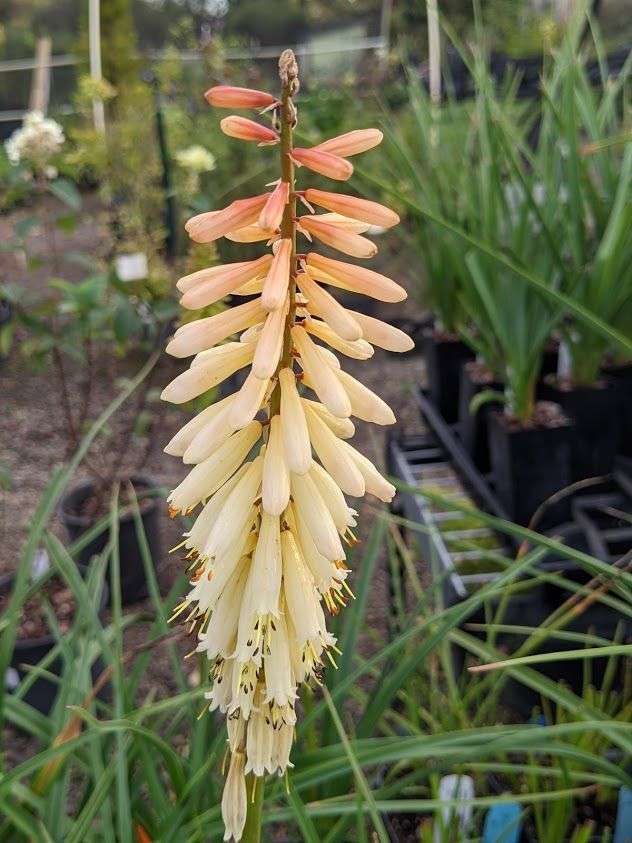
<point x="244" y="129"/>
<point x="325" y="163"/>
<point x="351" y="143"/>
<point x="272" y="213"/>
<point x="338" y="237"/>
<point x="348" y="276"/>
<point x="354" y="207"/>
<point x="204" y="228"/>
<point x="226" y="96"/>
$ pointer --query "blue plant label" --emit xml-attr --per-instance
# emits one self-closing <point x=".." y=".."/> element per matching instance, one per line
<point x="502" y="824"/>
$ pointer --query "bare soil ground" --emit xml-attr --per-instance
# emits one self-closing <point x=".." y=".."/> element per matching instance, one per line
<point x="33" y="442"/>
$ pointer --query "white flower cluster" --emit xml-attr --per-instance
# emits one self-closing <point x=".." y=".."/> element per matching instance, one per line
<point x="37" y="141"/>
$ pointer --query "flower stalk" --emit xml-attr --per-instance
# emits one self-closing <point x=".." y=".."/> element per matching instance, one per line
<point x="288" y="70"/>
<point x="270" y="464"/>
<point x="255" y="787"/>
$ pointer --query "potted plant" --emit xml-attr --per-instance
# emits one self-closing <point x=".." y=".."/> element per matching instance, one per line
<point x="49" y="612"/>
<point x="590" y="173"/>
<point x="6" y="328"/>
<point x="499" y="199"/>
<point x="418" y="154"/>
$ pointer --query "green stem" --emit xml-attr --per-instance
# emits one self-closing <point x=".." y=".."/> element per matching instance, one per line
<point x="255" y="786"/>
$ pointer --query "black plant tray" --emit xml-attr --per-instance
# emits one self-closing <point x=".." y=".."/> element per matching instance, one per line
<point x="615" y="492"/>
<point x="601" y="522"/>
<point x="601" y="526"/>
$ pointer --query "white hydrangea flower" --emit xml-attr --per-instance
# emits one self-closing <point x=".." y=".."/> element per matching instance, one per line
<point x="35" y="143"/>
<point x="196" y="158"/>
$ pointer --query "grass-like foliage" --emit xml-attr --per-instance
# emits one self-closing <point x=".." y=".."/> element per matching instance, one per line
<point x="520" y="210"/>
<point x="397" y="714"/>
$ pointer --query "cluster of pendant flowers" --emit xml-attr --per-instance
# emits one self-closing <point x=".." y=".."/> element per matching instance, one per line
<point x="272" y="465"/>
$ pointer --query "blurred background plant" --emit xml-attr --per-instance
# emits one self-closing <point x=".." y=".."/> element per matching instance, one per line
<point x="544" y="185"/>
<point x="585" y="163"/>
<point x="66" y="322"/>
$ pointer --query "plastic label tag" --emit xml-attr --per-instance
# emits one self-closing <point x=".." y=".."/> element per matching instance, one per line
<point x="455" y="788"/>
<point x="40" y="564"/>
<point x="502" y="824"/>
<point x="11" y="679"/>
<point x="133" y="267"/>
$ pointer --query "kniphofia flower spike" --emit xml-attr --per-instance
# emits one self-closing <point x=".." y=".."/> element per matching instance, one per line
<point x="271" y="463"/>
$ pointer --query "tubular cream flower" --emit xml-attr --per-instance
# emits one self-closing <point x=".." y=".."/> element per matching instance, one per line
<point x="271" y="462"/>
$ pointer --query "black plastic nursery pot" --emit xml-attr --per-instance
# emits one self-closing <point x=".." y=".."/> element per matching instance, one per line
<point x="445" y="355"/>
<point x="596" y="415"/>
<point x="620" y="378"/>
<point x="473" y="425"/>
<point x="532" y="607"/>
<point x="549" y="359"/>
<point x="133" y="579"/>
<point x="29" y="652"/>
<point x="529" y="465"/>
<point x="6" y="314"/>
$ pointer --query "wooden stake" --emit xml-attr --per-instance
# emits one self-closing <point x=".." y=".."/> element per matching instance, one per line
<point x="40" y="85"/>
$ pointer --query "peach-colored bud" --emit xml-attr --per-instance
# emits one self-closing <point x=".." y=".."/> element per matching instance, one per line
<point x="382" y="334"/>
<point x="249" y="234"/>
<point x="202" y="334"/>
<point x="272" y="213"/>
<point x="244" y="129"/>
<point x="354" y="207"/>
<point x="210" y="286"/>
<point x="204" y="228"/>
<point x="225" y="96"/>
<point x="348" y="276"/>
<point x="319" y="301"/>
<point x="278" y="277"/>
<point x="251" y="288"/>
<point x="338" y="238"/>
<point x="351" y="143"/>
<point x="325" y="163"/>
<point x="346" y="223"/>
<point x="187" y="282"/>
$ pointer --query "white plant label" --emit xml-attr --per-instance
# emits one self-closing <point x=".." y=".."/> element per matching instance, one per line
<point x="132" y="267"/>
<point x="11" y="679"/>
<point x="40" y="564"/>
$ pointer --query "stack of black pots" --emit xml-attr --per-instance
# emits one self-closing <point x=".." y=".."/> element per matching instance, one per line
<point x="580" y="436"/>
